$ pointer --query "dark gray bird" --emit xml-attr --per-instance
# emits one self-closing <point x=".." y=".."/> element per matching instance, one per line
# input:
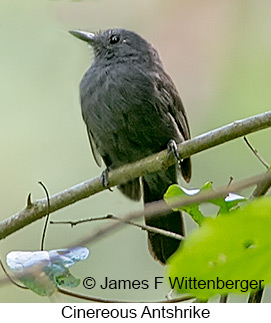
<point x="132" y="109"/>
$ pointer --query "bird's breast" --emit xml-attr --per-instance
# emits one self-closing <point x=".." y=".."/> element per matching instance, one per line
<point x="121" y="108"/>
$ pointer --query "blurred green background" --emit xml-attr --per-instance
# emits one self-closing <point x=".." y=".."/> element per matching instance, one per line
<point x="217" y="52"/>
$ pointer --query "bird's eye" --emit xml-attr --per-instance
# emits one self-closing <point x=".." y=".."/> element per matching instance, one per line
<point x="113" y="39"/>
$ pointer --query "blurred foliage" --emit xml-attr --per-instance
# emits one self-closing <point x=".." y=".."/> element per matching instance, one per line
<point x="217" y="52"/>
<point x="233" y="247"/>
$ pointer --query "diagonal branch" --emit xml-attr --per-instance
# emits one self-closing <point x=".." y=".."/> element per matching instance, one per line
<point x="161" y="208"/>
<point x="156" y="162"/>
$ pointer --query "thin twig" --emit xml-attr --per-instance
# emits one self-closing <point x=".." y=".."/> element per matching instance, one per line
<point x="255" y="152"/>
<point x="113" y="217"/>
<point x="262" y="187"/>
<point x="104" y="300"/>
<point x="230" y="181"/>
<point x="159" y="207"/>
<point x="10" y="278"/>
<point x="47" y="216"/>
<point x="74" y="223"/>
<point x="129" y="172"/>
<point x="91" y="298"/>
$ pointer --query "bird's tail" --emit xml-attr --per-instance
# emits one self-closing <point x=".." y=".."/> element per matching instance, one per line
<point x="154" y="187"/>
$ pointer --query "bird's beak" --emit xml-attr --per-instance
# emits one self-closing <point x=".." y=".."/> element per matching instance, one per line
<point x="84" y="35"/>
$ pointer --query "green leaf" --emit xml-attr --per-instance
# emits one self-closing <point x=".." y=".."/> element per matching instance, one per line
<point x="67" y="279"/>
<point x="175" y="193"/>
<point x="225" y="203"/>
<point x="234" y="246"/>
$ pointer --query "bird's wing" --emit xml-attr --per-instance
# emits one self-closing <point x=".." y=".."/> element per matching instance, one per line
<point x="94" y="150"/>
<point x="171" y="101"/>
<point x="181" y="120"/>
<point x="178" y="113"/>
<point x="176" y="109"/>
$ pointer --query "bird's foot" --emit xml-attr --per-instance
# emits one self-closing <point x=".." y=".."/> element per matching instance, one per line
<point x="173" y="149"/>
<point x="104" y="179"/>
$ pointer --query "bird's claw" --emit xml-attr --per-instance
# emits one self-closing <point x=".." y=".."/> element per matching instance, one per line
<point x="172" y="148"/>
<point x="104" y="179"/>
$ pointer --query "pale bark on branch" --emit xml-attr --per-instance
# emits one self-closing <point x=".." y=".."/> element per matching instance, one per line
<point x="38" y="209"/>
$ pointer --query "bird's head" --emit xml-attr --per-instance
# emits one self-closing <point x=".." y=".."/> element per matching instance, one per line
<point x="116" y="43"/>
